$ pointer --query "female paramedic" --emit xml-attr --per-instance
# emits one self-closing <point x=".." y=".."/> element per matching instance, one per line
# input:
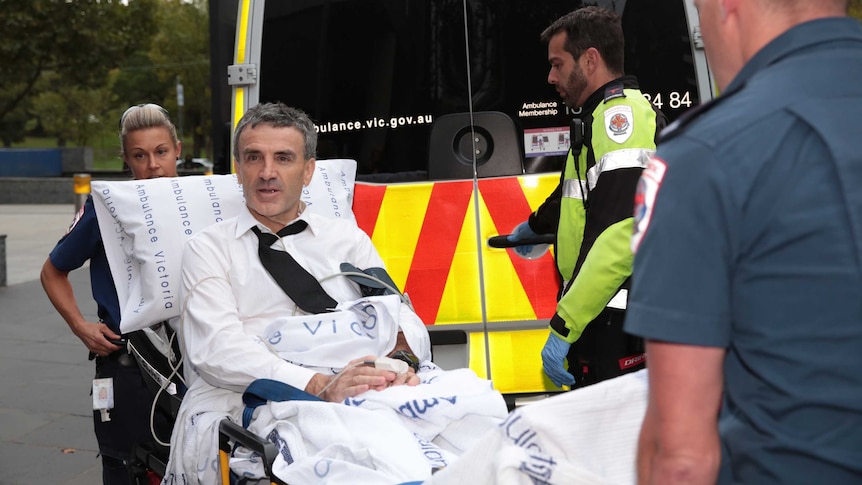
<point x="150" y="148"/>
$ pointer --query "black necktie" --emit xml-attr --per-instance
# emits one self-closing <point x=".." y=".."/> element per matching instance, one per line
<point x="299" y="285"/>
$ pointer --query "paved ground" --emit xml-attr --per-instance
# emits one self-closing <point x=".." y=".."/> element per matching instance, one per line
<point x="46" y="433"/>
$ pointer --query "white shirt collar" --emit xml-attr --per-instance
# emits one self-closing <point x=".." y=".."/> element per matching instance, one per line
<point x="245" y="221"/>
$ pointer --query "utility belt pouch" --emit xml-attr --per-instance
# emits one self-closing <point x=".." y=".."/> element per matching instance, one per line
<point x="605" y="351"/>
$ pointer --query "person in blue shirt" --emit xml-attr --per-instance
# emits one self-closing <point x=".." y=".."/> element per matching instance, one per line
<point x="150" y="148"/>
<point x="748" y="257"/>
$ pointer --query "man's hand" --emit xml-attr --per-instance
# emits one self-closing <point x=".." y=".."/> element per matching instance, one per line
<point x="356" y="379"/>
<point x="408" y="378"/>
<point x="553" y="361"/>
<point x="522" y="231"/>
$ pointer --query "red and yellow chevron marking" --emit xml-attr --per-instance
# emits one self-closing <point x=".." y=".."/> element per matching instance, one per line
<point x="427" y="236"/>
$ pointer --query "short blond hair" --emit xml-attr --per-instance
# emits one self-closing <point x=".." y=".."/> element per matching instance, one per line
<point x="144" y="116"/>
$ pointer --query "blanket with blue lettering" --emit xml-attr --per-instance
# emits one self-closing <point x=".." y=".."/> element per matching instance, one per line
<point x="587" y="436"/>
<point x="400" y="434"/>
<point x="397" y="435"/>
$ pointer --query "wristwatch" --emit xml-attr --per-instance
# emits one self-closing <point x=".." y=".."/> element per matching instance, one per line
<point x="408" y="357"/>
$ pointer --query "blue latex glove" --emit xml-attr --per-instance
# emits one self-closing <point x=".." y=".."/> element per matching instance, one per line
<point x="522" y="231"/>
<point x="553" y="361"/>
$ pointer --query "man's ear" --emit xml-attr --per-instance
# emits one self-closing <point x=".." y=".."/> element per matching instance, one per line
<point x="309" y="171"/>
<point x="727" y="6"/>
<point x="237" y="171"/>
<point x="592" y="59"/>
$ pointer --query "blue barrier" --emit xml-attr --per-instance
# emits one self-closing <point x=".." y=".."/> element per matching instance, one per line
<point x="31" y="162"/>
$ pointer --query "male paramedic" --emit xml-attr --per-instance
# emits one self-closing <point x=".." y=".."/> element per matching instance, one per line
<point x="590" y="211"/>
<point x="748" y="265"/>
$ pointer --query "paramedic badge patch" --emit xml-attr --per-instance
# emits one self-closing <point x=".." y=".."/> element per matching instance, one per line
<point x="76" y="219"/>
<point x="648" y="187"/>
<point x="619" y="123"/>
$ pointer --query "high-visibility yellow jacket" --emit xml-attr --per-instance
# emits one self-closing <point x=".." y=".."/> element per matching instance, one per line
<point x="591" y="209"/>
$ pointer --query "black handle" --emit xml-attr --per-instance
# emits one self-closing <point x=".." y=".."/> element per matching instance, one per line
<point x="503" y="241"/>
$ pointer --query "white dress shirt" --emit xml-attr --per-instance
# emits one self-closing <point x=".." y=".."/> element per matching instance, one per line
<point x="229" y="298"/>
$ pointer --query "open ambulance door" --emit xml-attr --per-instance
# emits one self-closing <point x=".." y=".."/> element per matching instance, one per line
<point x="458" y="138"/>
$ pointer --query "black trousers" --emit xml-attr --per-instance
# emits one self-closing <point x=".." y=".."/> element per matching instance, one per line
<point x="605" y="351"/>
<point x="130" y="417"/>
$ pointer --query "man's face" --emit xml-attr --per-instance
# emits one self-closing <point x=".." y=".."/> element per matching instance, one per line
<point x="151" y="153"/>
<point x="566" y="74"/>
<point x="273" y="170"/>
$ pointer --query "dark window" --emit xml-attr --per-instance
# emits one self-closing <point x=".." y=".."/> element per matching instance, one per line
<point x="375" y="74"/>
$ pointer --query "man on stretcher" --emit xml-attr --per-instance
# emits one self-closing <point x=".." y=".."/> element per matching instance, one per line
<point x="265" y="297"/>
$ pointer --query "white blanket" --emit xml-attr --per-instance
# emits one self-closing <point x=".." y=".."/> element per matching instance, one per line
<point x="388" y="437"/>
<point x="584" y="437"/>
<point x="367" y="326"/>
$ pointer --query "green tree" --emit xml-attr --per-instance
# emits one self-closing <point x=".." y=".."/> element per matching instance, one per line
<point x="136" y="82"/>
<point x="79" y="41"/>
<point x="13" y="127"/>
<point x="74" y="113"/>
<point x="180" y="51"/>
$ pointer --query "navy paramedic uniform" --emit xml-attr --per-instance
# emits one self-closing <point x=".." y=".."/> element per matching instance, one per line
<point x="749" y="238"/>
<point x="591" y="214"/>
<point x="130" y="421"/>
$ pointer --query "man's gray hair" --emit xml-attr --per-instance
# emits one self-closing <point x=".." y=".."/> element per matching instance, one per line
<point x="278" y="115"/>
